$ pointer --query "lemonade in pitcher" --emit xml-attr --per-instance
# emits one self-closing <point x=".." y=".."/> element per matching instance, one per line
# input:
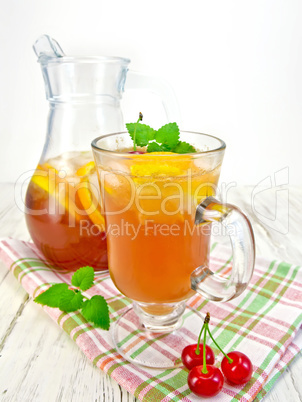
<point x="63" y="212"/>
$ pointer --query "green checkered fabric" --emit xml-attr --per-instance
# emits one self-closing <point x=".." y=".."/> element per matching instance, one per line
<point x="264" y="323"/>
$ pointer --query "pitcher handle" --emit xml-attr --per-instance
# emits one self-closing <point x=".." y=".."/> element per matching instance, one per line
<point x="159" y="86"/>
<point x="203" y="280"/>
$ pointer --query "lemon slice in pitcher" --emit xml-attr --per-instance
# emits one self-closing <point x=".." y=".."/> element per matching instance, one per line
<point x="90" y="203"/>
<point x="87" y="196"/>
<point x="47" y="179"/>
<point x="86" y="169"/>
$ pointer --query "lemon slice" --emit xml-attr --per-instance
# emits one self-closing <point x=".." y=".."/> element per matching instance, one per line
<point x="155" y="170"/>
<point x="153" y="164"/>
<point x="87" y="169"/>
<point x="90" y="203"/>
<point x="86" y="195"/>
<point x="46" y="178"/>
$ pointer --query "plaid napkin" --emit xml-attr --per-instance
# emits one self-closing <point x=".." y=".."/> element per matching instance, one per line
<point x="264" y="323"/>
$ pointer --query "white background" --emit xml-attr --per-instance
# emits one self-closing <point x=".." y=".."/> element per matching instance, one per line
<point x="235" y="67"/>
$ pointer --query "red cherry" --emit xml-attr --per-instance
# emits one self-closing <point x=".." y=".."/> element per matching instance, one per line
<point x="238" y="372"/>
<point x="190" y="359"/>
<point x="205" y="385"/>
<point x="136" y="152"/>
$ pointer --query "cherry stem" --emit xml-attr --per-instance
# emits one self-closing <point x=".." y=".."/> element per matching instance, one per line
<point x="140" y="118"/>
<point x="204" y="367"/>
<point x="207" y="329"/>
<point x="197" y="351"/>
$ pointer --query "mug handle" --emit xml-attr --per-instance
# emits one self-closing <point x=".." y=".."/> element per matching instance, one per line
<point x="203" y="280"/>
<point x="159" y="86"/>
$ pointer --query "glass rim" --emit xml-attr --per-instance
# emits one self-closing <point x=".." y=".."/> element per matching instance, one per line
<point x="83" y="59"/>
<point x="167" y="155"/>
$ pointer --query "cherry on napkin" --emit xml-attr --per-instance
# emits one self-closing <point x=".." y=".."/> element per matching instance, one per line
<point x="264" y="322"/>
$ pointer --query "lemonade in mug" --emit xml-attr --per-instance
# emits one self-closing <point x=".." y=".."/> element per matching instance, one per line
<point x="158" y="209"/>
<point x="153" y="242"/>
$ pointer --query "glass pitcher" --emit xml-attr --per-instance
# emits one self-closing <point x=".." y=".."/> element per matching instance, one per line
<point x="63" y="211"/>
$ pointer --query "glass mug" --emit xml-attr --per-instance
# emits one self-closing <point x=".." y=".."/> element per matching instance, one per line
<point x="158" y="209"/>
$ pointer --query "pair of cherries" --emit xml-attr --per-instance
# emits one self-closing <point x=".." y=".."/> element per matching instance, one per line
<point x="204" y="378"/>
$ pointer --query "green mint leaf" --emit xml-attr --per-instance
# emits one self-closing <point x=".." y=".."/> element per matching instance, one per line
<point x="183" y="148"/>
<point x="154" y="147"/>
<point x="51" y="297"/>
<point x="166" y="148"/>
<point x="83" y="278"/>
<point x="96" y="310"/>
<point x="168" y="135"/>
<point x="70" y="301"/>
<point x="166" y="138"/>
<point x="143" y="134"/>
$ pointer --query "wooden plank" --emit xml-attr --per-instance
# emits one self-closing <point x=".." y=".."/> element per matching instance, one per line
<point x="13" y="300"/>
<point x="41" y="363"/>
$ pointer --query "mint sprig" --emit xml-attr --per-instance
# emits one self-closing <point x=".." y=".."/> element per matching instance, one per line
<point x="155" y="147"/>
<point x="184" y="148"/>
<point x="168" y="135"/>
<point x="70" y="301"/>
<point x="91" y="311"/>
<point x="83" y="278"/>
<point x="70" y="298"/>
<point x="51" y="297"/>
<point x="141" y="134"/>
<point x="165" y="139"/>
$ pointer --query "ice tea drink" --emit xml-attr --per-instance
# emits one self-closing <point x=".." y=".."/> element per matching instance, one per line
<point x="153" y="245"/>
<point x="63" y="214"/>
<point x="158" y="192"/>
